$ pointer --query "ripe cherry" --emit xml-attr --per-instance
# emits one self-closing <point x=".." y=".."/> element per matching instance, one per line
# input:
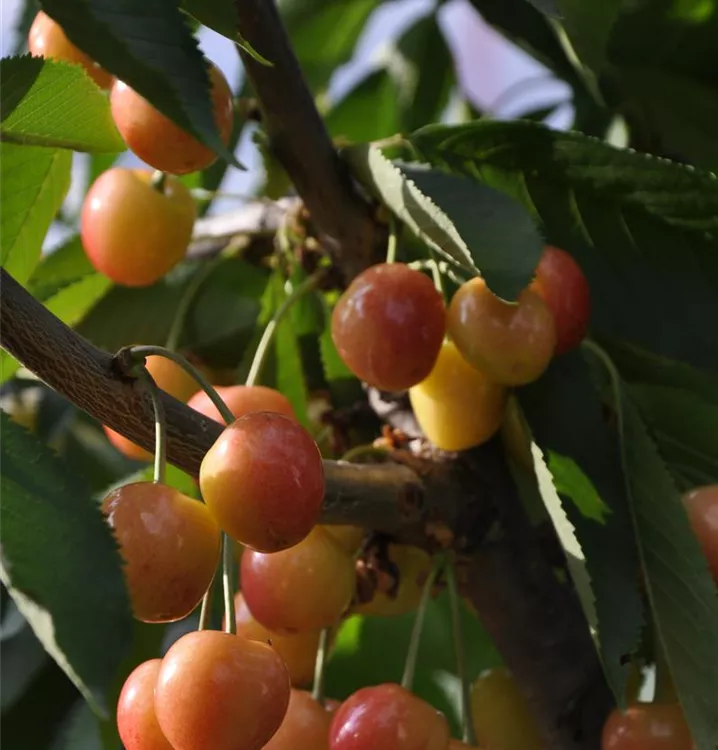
<point x="561" y="284"/>
<point x="387" y="717"/>
<point x="241" y="400"/>
<point x="317" y="567"/>
<point x="220" y="691"/>
<point x="132" y="232"/>
<point x="702" y="507"/>
<point x="647" y="726"/>
<point x="299" y="651"/>
<point x="457" y="406"/>
<point x="399" y="594"/>
<point x="263" y="480"/>
<point x="171" y="378"/>
<point x="157" y="140"/>
<point x="388" y="326"/>
<point x="170" y="544"/>
<point x="136" y="719"/>
<point x="305" y="726"/>
<point x="511" y="343"/>
<point x="501" y="716"/>
<point x="47" y="39"/>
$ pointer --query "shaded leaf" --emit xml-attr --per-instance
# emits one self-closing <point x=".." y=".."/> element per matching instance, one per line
<point x="589" y="26"/>
<point x="33" y="184"/>
<point x="564" y="412"/>
<point x="52" y="533"/>
<point x="49" y="103"/>
<point x="148" y="45"/>
<point x="475" y="227"/>
<point x="643" y="229"/>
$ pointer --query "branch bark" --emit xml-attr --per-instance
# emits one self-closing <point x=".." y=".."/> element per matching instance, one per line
<point x="301" y="143"/>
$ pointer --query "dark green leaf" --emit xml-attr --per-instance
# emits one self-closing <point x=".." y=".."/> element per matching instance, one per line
<point x="219" y="15"/>
<point x="588" y="24"/>
<point x="148" y="45"/>
<point x="48" y="103"/>
<point x="33" y="184"/>
<point x="680" y="588"/>
<point x="61" y="565"/>
<point x="60" y="268"/>
<point x="564" y="412"/>
<point x="643" y="229"/>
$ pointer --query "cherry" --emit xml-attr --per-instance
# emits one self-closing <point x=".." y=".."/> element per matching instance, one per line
<point x="561" y="284"/>
<point x="298" y="651"/>
<point x="263" y="480"/>
<point x="136" y="719"/>
<point x="221" y="691"/>
<point x="647" y="726"/>
<point x="501" y="715"/>
<point x="241" y="400"/>
<point x="305" y="726"/>
<point x="157" y="140"/>
<point x="702" y="507"/>
<point x="172" y="379"/>
<point x="511" y="343"/>
<point x="350" y="538"/>
<point x="387" y="717"/>
<point x="170" y="544"/>
<point x="132" y="232"/>
<point x="303" y="588"/>
<point x="457" y="406"/>
<point x="413" y="566"/>
<point x="47" y="39"/>
<point x="388" y="326"/>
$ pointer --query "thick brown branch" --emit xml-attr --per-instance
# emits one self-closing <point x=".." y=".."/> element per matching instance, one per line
<point x="302" y="145"/>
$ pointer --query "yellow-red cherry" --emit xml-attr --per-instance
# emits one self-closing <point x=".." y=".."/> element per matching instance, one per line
<point x="220" y="691"/>
<point x="303" y="588"/>
<point x="305" y="726"/>
<point x="172" y="379"/>
<point x="702" y="507"/>
<point x="562" y="285"/>
<point x="457" y="406"/>
<point x="647" y="726"/>
<point x="157" y="140"/>
<point x="136" y="719"/>
<point x="511" y="343"/>
<point x="170" y="544"/>
<point x="388" y="326"/>
<point x="387" y="717"/>
<point x="500" y="713"/>
<point x="47" y="39"/>
<point x="133" y="232"/>
<point x="241" y="400"/>
<point x="263" y="480"/>
<point x="298" y="651"/>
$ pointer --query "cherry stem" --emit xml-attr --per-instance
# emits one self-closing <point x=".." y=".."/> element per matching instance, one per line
<point x="319" y="665"/>
<point x="393" y="241"/>
<point x="230" y="618"/>
<point x="412" y="654"/>
<point x="188" y="297"/>
<point x="365" y="451"/>
<point x="436" y="273"/>
<point x="469" y="736"/>
<point x="160" y="425"/>
<point x="205" y="612"/>
<point x="263" y="347"/>
<point x="146" y="350"/>
<point x="158" y="181"/>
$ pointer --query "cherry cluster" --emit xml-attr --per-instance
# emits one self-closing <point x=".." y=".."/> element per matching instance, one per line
<point x="393" y="331"/>
<point x="136" y="225"/>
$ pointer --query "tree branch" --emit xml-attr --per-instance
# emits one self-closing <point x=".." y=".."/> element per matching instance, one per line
<point x="301" y="143"/>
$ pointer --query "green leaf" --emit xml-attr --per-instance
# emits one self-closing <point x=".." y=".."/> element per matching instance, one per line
<point x="643" y="229"/>
<point x="589" y="24"/>
<point x="8" y="366"/>
<point x="63" y="266"/>
<point x="571" y="482"/>
<point x="475" y="227"/>
<point x="680" y="588"/>
<point x="564" y="412"/>
<point x="148" y="45"/>
<point x="61" y="565"/>
<point x="332" y="363"/>
<point x="33" y="185"/>
<point x="48" y="103"/>
<point x="219" y="15"/>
